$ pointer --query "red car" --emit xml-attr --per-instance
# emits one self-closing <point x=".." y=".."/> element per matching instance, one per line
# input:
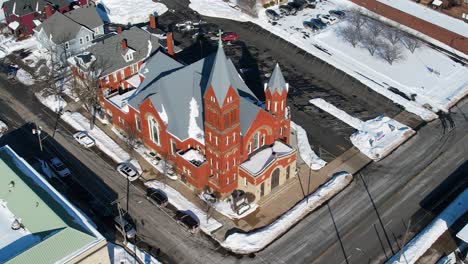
<point x="229" y="36"/>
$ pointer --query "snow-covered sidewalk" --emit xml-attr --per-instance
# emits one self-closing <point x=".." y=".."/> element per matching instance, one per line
<point x="224" y="208"/>
<point x="306" y="152"/>
<point x="244" y="243"/>
<point x="118" y="255"/>
<point x="181" y="203"/>
<point x="129" y="11"/>
<point x="376" y="138"/>
<point x="414" y="249"/>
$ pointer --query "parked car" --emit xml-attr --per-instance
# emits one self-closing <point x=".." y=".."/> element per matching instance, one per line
<point x="303" y="3"/>
<point x="124" y="227"/>
<point x="59" y="168"/>
<point x="338" y="13"/>
<point x="157" y="197"/>
<point x="310" y="26"/>
<point x="8" y="71"/>
<point x="84" y="139"/>
<point x="318" y="23"/>
<point x="187" y="221"/>
<point x="328" y="19"/>
<point x="287" y="10"/>
<point x="229" y="36"/>
<point x="128" y="171"/>
<point x="296" y="6"/>
<point x="271" y="14"/>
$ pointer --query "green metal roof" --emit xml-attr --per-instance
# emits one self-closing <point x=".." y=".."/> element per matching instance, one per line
<point x="40" y="212"/>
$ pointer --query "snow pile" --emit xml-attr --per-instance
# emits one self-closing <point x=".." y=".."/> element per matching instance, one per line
<point x="9" y="44"/>
<point x="3" y="128"/>
<point x="224" y="207"/>
<point x="55" y="103"/>
<point x="306" y="152"/>
<point x="102" y="140"/>
<point x="414" y="249"/>
<point x="119" y="255"/>
<point x="129" y="11"/>
<point x="143" y="256"/>
<point x="181" y="203"/>
<point x="163" y="115"/>
<point x="377" y="137"/>
<point x="244" y="243"/>
<point x="421" y="73"/>
<point x="194" y="131"/>
<point x="24" y="77"/>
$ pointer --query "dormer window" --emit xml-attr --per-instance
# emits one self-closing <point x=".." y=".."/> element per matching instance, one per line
<point x="129" y="57"/>
<point x="67" y="45"/>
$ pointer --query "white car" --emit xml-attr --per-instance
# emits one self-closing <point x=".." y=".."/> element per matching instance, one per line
<point x="84" y="139"/>
<point x="128" y="171"/>
<point x="124" y="227"/>
<point x="328" y="19"/>
<point x="59" y="168"/>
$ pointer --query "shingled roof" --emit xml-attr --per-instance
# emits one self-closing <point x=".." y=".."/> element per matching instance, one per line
<point x="24" y="7"/>
<point x="173" y="88"/>
<point x="276" y="82"/>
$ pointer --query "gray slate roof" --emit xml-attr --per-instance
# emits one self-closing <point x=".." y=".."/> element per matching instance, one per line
<point x="220" y="77"/>
<point x="108" y="51"/>
<point x="172" y="85"/>
<point x="24" y="7"/>
<point x="277" y="81"/>
<point x="65" y="27"/>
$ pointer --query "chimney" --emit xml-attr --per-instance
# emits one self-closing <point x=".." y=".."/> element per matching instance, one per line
<point x="170" y="44"/>
<point x="119" y="30"/>
<point x="48" y="10"/>
<point x="124" y="43"/>
<point x="152" y="21"/>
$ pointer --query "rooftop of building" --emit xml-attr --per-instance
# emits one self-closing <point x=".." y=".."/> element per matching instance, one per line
<point x="52" y="229"/>
<point x="266" y="156"/>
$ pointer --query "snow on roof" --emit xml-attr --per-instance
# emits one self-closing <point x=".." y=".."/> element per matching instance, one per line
<point x="194" y="131"/>
<point x="429" y="15"/>
<point x="193" y="155"/>
<point x="463" y="234"/>
<point x="134" y="80"/>
<point x="262" y="159"/>
<point x="13" y="25"/>
<point x="163" y="115"/>
<point x="121" y="100"/>
<point x="129" y="11"/>
<point x="437" y="2"/>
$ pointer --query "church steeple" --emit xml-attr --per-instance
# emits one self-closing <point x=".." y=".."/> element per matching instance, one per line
<point x="277" y="82"/>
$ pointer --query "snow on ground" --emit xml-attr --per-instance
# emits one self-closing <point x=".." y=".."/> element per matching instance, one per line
<point x="224" y="207"/>
<point x="422" y="73"/>
<point x="306" y="152"/>
<point x="119" y="255"/>
<point x="143" y="256"/>
<point x="377" y="137"/>
<point x="129" y="11"/>
<point x="24" y="77"/>
<point x="415" y="248"/>
<point x="244" y="243"/>
<point x="9" y="44"/>
<point x="55" y="103"/>
<point x="181" y="203"/>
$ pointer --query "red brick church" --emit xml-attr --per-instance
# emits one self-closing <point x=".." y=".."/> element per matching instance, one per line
<point x="208" y="123"/>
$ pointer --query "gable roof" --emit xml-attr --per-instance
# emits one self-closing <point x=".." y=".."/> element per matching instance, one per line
<point x="86" y="16"/>
<point x="108" y="51"/>
<point x="175" y="89"/>
<point x="276" y="82"/>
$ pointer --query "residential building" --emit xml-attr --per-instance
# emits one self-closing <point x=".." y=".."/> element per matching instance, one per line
<point x="72" y="32"/>
<point x="204" y="120"/>
<point x="118" y="56"/>
<point x="22" y="16"/>
<point x="38" y="224"/>
<point x="441" y="27"/>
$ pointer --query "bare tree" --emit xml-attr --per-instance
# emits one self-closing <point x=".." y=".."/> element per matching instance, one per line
<point x="393" y="34"/>
<point x="86" y="87"/>
<point x="350" y="34"/>
<point x="356" y="19"/>
<point x="411" y="42"/>
<point x="371" y="36"/>
<point x="131" y="140"/>
<point x="390" y="53"/>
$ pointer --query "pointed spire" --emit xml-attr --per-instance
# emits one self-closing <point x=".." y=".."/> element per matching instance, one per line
<point x="277" y="81"/>
<point x="220" y="39"/>
<point x="219" y="76"/>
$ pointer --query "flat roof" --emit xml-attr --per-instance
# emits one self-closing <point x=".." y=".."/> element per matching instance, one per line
<point x="53" y="229"/>
<point x="463" y="234"/>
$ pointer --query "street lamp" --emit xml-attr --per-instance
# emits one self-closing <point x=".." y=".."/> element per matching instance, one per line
<point x="37" y="131"/>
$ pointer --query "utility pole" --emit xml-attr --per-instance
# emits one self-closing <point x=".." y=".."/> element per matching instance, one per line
<point x="59" y="113"/>
<point x="308" y="182"/>
<point x="128" y="192"/>
<point x="378" y="215"/>
<point x="37" y="131"/>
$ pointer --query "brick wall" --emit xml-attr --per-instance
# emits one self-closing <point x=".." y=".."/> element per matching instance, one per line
<point x="439" y="33"/>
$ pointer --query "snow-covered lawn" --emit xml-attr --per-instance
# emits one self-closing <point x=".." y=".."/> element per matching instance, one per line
<point x="414" y="249"/>
<point x="129" y="11"/>
<point x="24" y="77"/>
<point x="244" y="243"/>
<point x="306" y="152"/>
<point x="181" y="203"/>
<point x="55" y="103"/>
<point x="224" y="208"/>
<point x="9" y="44"/>
<point x="432" y="76"/>
<point x="119" y="255"/>
<point x="377" y="137"/>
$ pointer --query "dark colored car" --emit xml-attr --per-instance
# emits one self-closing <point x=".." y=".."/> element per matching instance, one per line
<point x="156" y="197"/>
<point x="310" y="26"/>
<point x="338" y="13"/>
<point x="8" y="71"/>
<point x="318" y="23"/>
<point x="303" y="3"/>
<point x="287" y="10"/>
<point x="229" y="36"/>
<point x="271" y="14"/>
<point x="296" y="6"/>
<point x="187" y="220"/>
